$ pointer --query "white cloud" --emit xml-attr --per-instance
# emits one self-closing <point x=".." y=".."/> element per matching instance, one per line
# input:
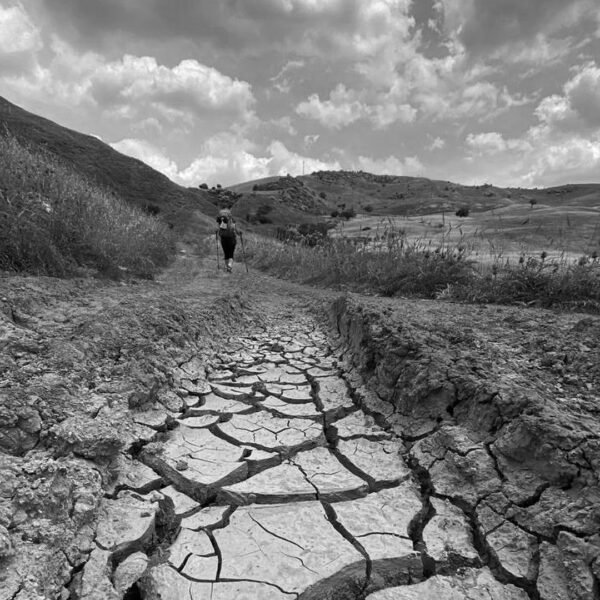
<point x="18" y="34"/>
<point x="437" y="144"/>
<point x="147" y="153"/>
<point x="284" y="161"/>
<point x="391" y="165"/>
<point x="187" y="86"/>
<point x="342" y="108"/>
<point x="225" y="159"/>
<point x="486" y="143"/>
<point x="20" y="39"/>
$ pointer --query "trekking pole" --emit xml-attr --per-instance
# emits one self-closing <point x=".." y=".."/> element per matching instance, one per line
<point x="244" y="253"/>
<point x="217" y="243"/>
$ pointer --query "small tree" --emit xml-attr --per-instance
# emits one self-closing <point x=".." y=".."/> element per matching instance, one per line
<point x="203" y="186"/>
<point x="533" y="202"/>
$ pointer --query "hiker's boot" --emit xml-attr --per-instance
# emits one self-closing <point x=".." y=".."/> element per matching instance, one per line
<point x="229" y="265"/>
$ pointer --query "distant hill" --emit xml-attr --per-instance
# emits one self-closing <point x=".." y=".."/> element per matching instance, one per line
<point x="323" y="192"/>
<point x="186" y="209"/>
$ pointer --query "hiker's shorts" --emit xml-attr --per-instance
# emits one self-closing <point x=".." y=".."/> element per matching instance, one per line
<point x="228" y="245"/>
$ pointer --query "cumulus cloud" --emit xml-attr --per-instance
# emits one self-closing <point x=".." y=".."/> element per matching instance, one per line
<point x="342" y="108"/>
<point x="391" y="165"/>
<point x="225" y="159"/>
<point x="147" y="153"/>
<point x="134" y="89"/>
<point x="20" y="39"/>
<point x="188" y="86"/>
<point x="578" y="108"/>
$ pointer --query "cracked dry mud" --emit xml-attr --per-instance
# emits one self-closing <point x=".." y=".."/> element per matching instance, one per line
<point x="288" y="489"/>
<point x="369" y="458"/>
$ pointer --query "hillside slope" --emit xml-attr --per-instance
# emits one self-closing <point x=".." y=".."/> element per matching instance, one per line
<point x="409" y="196"/>
<point x="186" y="209"/>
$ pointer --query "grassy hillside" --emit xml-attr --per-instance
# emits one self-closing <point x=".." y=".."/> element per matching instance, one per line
<point x="185" y="209"/>
<point x="414" y="196"/>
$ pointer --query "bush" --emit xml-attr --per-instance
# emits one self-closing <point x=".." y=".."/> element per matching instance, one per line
<point x="463" y="211"/>
<point x="322" y="195"/>
<point x="368" y="208"/>
<point x="335" y="214"/>
<point x="348" y="213"/>
<point x="53" y="220"/>
<point x="203" y="186"/>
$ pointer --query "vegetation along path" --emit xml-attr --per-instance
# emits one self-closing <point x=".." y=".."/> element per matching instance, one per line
<point x="216" y="437"/>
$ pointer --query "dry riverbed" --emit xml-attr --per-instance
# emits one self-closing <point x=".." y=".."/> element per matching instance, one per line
<point x="220" y="437"/>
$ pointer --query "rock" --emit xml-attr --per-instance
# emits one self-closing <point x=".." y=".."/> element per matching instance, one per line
<point x="19" y="427"/>
<point x="6" y="547"/>
<point x="129" y="571"/>
<point x="566" y="569"/>
<point x="474" y="584"/>
<point x="95" y="439"/>
<point x="515" y="550"/>
<point x="448" y="538"/>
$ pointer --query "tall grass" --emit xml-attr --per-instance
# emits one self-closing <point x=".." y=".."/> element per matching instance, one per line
<point x="53" y="220"/>
<point x="394" y="266"/>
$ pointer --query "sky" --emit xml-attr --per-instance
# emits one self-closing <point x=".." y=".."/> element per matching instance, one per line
<point x="505" y="92"/>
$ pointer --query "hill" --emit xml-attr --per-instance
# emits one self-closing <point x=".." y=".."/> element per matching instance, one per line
<point x="185" y="209"/>
<point x="564" y="218"/>
<point x="324" y="191"/>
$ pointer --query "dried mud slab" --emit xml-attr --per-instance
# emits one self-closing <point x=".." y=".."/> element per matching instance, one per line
<point x="292" y="546"/>
<point x="471" y="584"/>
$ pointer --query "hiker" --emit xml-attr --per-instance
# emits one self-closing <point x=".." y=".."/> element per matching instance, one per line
<point x="228" y="233"/>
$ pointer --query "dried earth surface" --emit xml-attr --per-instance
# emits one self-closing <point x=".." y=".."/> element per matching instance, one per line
<point x="217" y="437"/>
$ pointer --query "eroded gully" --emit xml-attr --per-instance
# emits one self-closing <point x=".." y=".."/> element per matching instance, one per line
<point x="277" y="482"/>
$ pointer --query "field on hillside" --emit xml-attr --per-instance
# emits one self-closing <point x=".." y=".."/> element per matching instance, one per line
<point x="508" y="231"/>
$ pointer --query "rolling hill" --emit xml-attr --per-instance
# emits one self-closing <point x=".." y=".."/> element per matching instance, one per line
<point x="186" y="209"/>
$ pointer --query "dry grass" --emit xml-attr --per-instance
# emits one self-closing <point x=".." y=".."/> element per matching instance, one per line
<point x="453" y="268"/>
<point x="53" y="221"/>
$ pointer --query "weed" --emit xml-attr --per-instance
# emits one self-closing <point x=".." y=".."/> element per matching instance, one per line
<point x="53" y="220"/>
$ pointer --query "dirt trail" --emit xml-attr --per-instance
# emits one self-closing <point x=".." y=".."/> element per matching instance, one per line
<point x="210" y="437"/>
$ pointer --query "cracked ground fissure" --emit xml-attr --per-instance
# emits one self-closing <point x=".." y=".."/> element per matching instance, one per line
<point x="339" y="515"/>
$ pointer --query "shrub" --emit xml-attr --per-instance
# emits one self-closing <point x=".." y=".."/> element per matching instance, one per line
<point x="368" y="208"/>
<point x="53" y="220"/>
<point x="335" y="214"/>
<point x="463" y="211"/>
<point x="348" y="213"/>
<point x="322" y="195"/>
<point x="203" y="186"/>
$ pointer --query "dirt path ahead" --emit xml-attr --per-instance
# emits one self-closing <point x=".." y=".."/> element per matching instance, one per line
<point x="209" y="436"/>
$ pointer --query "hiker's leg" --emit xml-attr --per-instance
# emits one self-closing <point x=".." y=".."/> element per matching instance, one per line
<point x="229" y="249"/>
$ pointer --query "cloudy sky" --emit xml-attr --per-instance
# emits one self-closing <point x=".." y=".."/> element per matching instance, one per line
<point x="223" y="91"/>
